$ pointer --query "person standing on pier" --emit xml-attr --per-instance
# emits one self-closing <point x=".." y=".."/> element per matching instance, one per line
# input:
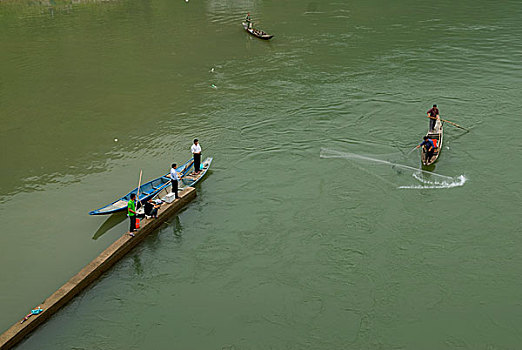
<point x="131" y="211"/>
<point x="174" y="178"/>
<point x="196" y="152"/>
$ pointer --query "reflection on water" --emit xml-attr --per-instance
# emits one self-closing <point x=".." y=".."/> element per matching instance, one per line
<point x="137" y="264"/>
<point x="177" y="228"/>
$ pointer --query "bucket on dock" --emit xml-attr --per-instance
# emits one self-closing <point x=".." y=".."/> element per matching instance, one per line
<point x="137" y="223"/>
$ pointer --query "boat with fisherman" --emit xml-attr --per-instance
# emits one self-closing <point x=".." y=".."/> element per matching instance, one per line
<point x="249" y="27"/>
<point x="144" y="191"/>
<point x="257" y="32"/>
<point x="165" y="195"/>
<point x="436" y="137"/>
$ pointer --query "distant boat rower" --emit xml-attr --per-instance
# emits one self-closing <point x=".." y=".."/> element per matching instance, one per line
<point x="248" y="20"/>
<point x="433" y="114"/>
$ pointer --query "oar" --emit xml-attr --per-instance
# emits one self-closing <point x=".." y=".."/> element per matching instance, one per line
<point x="138" y="192"/>
<point x="454" y="124"/>
<point x="450" y="122"/>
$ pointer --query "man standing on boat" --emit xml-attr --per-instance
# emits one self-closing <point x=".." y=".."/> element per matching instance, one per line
<point x="427" y="144"/>
<point x="174" y="178"/>
<point x="248" y="20"/>
<point x="196" y="153"/>
<point x="131" y="211"/>
<point x="433" y="114"/>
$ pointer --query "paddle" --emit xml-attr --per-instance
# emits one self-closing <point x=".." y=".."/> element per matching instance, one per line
<point x="138" y="192"/>
<point x="452" y="123"/>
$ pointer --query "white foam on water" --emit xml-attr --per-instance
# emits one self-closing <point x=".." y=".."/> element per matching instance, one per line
<point x="455" y="182"/>
<point x="442" y="181"/>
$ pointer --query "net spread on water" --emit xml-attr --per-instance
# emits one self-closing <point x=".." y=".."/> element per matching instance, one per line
<point x="427" y="179"/>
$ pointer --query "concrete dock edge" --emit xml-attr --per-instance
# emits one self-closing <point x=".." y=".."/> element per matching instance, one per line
<point x="92" y="271"/>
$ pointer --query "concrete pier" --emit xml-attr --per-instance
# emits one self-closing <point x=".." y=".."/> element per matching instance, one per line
<point x="92" y="271"/>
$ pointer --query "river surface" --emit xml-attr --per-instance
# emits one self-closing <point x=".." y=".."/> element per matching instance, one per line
<point x="314" y="229"/>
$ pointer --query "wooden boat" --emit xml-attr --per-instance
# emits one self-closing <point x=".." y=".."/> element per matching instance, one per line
<point x="436" y="137"/>
<point x="192" y="179"/>
<point x="188" y="180"/>
<point x="147" y="190"/>
<point x="257" y="33"/>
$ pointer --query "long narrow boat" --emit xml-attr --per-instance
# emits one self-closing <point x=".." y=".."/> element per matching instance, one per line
<point x="192" y="179"/>
<point x="147" y="190"/>
<point x="257" y="33"/>
<point x="436" y="137"/>
<point x="188" y="180"/>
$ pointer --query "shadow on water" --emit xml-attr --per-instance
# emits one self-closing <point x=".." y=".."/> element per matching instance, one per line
<point x="108" y="224"/>
<point x="428" y="168"/>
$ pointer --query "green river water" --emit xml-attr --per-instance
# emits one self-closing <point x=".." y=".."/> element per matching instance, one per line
<point x="313" y="229"/>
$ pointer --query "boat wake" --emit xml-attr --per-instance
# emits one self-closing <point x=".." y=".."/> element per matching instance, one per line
<point x="428" y="179"/>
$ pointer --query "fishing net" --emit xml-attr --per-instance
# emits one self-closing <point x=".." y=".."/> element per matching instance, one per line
<point x="385" y="168"/>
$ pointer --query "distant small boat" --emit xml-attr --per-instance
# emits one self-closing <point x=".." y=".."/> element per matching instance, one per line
<point x="436" y="137"/>
<point x="257" y="33"/>
<point x="147" y="190"/>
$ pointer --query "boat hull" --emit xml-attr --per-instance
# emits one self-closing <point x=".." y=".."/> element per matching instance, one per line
<point x="436" y="137"/>
<point x="146" y="191"/>
<point x="257" y="33"/>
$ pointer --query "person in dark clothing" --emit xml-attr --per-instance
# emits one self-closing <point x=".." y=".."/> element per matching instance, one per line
<point x="248" y="21"/>
<point x="174" y="178"/>
<point x="151" y="208"/>
<point x="427" y="144"/>
<point x="433" y="114"/>
<point x="196" y="153"/>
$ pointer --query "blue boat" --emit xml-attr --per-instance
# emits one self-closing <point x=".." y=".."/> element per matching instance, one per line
<point x="189" y="180"/>
<point x="147" y="190"/>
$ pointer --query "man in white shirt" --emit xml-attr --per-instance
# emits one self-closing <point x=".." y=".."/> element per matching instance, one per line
<point x="196" y="152"/>
<point x="174" y="178"/>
